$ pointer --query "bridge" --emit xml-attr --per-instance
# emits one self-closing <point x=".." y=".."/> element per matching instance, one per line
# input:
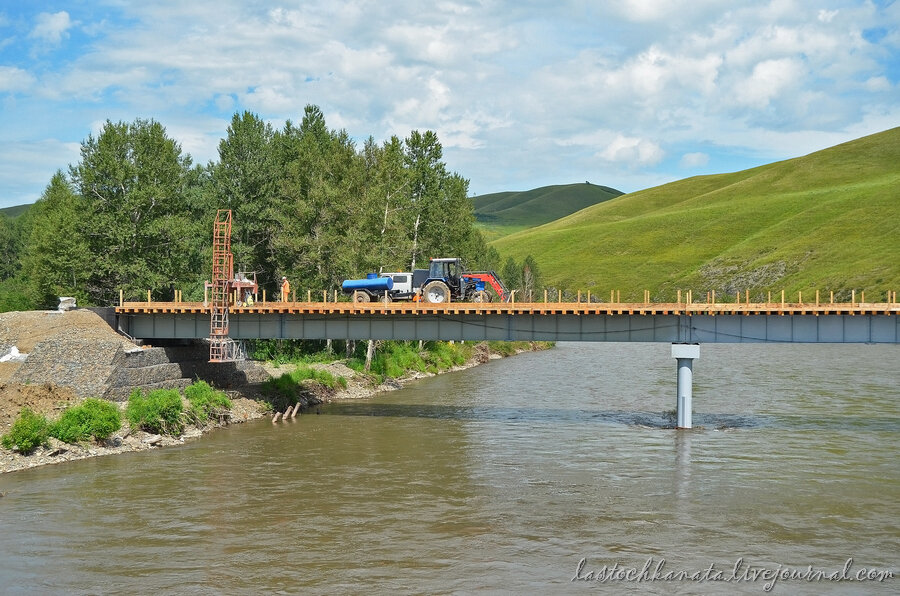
<point x="683" y="324"/>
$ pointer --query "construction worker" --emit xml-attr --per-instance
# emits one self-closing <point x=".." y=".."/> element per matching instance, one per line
<point x="285" y="289"/>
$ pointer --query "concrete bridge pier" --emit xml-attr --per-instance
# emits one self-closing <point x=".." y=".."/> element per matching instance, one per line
<point x="685" y="354"/>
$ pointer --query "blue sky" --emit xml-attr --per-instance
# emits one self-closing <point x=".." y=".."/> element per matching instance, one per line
<point x="625" y="93"/>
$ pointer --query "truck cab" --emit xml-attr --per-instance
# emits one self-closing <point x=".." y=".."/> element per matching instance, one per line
<point x="403" y="283"/>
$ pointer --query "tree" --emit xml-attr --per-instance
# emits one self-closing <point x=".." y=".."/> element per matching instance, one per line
<point x="132" y="180"/>
<point x="245" y="180"/>
<point x="512" y="275"/>
<point x="10" y="247"/>
<point x="532" y="280"/>
<point x="57" y="260"/>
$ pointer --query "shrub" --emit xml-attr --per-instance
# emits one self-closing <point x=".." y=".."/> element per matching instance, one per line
<point x="27" y="432"/>
<point x="160" y="411"/>
<point x="287" y="387"/>
<point x="205" y="401"/>
<point x="96" y="418"/>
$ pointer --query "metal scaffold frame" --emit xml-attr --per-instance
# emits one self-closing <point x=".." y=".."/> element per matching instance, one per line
<point x="221" y="347"/>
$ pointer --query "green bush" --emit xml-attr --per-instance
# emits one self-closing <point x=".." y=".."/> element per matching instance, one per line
<point x="27" y="432"/>
<point x="286" y="388"/>
<point x="160" y="411"/>
<point x="96" y="418"/>
<point x="205" y="402"/>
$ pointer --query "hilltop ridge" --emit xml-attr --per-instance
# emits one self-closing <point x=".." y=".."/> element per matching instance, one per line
<point x="502" y="213"/>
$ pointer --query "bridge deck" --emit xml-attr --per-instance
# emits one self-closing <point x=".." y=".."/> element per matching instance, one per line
<point x="523" y="308"/>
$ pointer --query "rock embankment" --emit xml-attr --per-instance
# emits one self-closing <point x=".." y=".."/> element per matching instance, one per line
<point x="80" y="355"/>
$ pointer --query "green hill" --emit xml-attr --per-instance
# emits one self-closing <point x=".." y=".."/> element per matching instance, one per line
<point x="15" y="211"/>
<point x="503" y="213"/>
<point x="828" y="221"/>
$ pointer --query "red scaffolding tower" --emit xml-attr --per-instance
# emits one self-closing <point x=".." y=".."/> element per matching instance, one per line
<point x="221" y="347"/>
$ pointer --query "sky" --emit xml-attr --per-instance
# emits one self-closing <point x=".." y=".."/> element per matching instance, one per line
<point x="624" y="93"/>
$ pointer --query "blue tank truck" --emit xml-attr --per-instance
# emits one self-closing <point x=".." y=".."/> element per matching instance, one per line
<point x="386" y="287"/>
<point x="444" y="281"/>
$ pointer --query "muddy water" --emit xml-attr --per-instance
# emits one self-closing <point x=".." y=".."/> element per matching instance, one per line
<point x="501" y="478"/>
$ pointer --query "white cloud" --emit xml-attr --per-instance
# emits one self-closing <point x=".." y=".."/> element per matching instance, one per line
<point x="826" y="16"/>
<point x="694" y="160"/>
<point x="14" y="79"/>
<point x="51" y="27"/>
<point x="769" y="79"/>
<point x="632" y="151"/>
<point x="876" y="84"/>
<point x="516" y="91"/>
<point x="27" y="166"/>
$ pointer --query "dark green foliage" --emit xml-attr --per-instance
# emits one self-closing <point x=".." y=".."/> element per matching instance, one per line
<point x="525" y="279"/>
<point x="298" y="351"/>
<point x="10" y="247"/>
<point x="205" y="402"/>
<point x="13" y="295"/>
<point x="95" y="418"/>
<point x="28" y="432"/>
<point x="511" y="275"/>
<point x="57" y="260"/>
<point x="135" y="214"/>
<point x="160" y="411"/>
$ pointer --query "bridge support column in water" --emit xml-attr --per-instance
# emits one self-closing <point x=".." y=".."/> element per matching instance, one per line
<point x="685" y="354"/>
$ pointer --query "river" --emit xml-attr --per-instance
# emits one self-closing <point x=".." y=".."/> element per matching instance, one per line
<point x="502" y="478"/>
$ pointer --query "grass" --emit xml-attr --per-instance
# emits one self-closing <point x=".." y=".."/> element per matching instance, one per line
<point x="826" y="221"/>
<point x="499" y="214"/>
<point x="205" y="403"/>
<point x="285" y="390"/>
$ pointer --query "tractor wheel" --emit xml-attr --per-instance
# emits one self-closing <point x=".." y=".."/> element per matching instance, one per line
<point x="360" y="296"/>
<point x="436" y="292"/>
<point x="481" y="296"/>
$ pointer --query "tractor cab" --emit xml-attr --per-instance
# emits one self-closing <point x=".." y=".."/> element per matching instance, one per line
<point x="445" y="281"/>
<point x="446" y="270"/>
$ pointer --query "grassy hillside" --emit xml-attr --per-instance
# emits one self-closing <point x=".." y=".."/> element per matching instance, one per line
<point x="827" y="221"/>
<point x="503" y="213"/>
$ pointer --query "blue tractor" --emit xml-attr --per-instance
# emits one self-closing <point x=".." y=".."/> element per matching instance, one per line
<point x="448" y="281"/>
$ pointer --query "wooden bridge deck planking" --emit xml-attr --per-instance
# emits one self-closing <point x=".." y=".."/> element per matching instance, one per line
<point x="523" y="308"/>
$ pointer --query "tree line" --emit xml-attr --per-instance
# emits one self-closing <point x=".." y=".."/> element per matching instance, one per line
<point x="135" y="214"/>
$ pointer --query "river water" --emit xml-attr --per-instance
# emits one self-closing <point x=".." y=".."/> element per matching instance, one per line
<point x="502" y="478"/>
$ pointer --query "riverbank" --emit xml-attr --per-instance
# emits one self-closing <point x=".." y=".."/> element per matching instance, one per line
<point x="250" y="401"/>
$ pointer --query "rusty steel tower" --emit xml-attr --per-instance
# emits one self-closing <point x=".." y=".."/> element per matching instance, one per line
<point x="221" y="347"/>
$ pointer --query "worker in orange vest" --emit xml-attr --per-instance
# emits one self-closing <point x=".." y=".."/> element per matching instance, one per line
<point x="285" y="289"/>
